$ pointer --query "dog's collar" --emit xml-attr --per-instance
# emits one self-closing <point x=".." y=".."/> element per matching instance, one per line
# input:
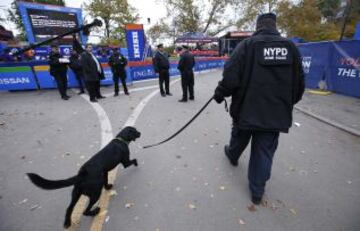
<point x="122" y="140"/>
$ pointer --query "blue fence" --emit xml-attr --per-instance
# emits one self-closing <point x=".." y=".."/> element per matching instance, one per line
<point x="337" y="63"/>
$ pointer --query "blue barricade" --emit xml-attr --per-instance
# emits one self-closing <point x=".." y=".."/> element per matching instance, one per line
<point x="17" y="78"/>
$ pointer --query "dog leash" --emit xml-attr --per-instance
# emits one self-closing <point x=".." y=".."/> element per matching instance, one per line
<point x="187" y="124"/>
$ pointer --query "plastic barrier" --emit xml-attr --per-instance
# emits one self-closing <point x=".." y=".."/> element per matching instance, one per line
<point x="338" y="63"/>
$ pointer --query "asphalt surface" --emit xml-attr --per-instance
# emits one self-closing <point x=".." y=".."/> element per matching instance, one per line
<point x="185" y="184"/>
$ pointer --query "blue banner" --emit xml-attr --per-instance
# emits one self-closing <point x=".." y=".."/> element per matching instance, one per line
<point x="135" y="39"/>
<point x="315" y="61"/>
<point x="17" y="78"/>
<point x="344" y="77"/>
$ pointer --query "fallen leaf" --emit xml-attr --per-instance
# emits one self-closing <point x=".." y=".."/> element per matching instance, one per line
<point x="241" y="222"/>
<point x="23" y="201"/>
<point x="113" y="193"/>
<point x="293" y="211"/>
<point x="252" y="208"/>
<point x="32" y="208"/>
<point x="107" y="219"/>
<point x="206" y="183"/>
<point x="291" y="168"/>
<point x="222" y="188"/>
<point x="264" y="203"/>
<point x="191" y="206"/>
<point x="297" y="124"/>
<point x="129" y="205"/>
<point x="274" y="207"/>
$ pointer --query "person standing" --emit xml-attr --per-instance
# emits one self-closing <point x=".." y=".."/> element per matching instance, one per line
<point x="93" y="73"/>
<point x="75" y="65"/>
<point x="161" y="66"/>
<point x="186" y="65"/>
<point x="118" y="62"/>
<point x="58" y="69"/>
<point x="265" y="78"/>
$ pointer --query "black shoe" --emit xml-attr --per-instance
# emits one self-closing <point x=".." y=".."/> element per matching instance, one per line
<point x="227" y="153"/>
<point x="94" y="100"/>
<point x="169" y="94"/>
<point x="81" y="92"/>
<point x="256" y="200"/>
<point x="65" y="97"/>
<point x="116" y="94"/>
<point x="101" y="97"/>
<point x="163" y="94"/>
<point x="182" y="100"/>
<point x="127" y="93"/>
<point x="191" y="98"/>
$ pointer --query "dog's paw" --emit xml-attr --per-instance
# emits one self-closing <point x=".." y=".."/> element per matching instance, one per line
<point x="135" y="162"/>
<point x="108" y="186"/>
<point x="67" y="224"/>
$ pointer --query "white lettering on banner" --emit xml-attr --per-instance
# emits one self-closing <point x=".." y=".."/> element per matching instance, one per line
<point x="144" y="73"/>
<point x="136" y="46"/>
<point x="348" y="72"/>
<point x="275" y="53"/>
<point x="306" y="63"/>
<point x="6" y="81"/>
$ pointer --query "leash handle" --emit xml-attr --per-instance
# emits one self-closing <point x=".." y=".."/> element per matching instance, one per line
<point x="181" y="129"/>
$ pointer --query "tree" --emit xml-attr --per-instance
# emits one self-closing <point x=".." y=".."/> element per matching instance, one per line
<point x="14" y="14"/>
<point x="305" y="20"/>
<point x="193" y="16"/>
<point x="115" y="14"/>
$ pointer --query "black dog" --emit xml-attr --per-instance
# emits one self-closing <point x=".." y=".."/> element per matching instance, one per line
<point x="93" y="175"/>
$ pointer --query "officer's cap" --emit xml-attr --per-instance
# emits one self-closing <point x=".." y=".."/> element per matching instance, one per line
<point x="160" y="45"/>
<point x="185" y="47"/>
<point x="270" y="16"/>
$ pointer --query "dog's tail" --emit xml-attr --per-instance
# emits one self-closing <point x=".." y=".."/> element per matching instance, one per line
<point x="51" y="184"/>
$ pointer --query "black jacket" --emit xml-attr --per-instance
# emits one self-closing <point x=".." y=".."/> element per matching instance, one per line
<point x="161" y="61"/>
<point x="75" y="64"/>
<point x="265" y="78"/>
<point x="57" y="68"/>
<point x="90" y="69"/>
<point x="118" y="64"/>
<point x="186" y="62"/>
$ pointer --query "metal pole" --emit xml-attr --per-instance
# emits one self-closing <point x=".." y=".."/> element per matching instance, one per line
<point x="347" y="14"/>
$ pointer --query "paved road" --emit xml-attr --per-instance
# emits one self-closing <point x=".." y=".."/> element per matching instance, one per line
<point x="186" y="184"/>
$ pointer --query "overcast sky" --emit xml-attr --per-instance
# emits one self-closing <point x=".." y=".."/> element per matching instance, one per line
<point x="146" y="9"/>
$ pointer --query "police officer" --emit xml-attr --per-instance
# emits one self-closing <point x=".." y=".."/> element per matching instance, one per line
<point x="264" y="76"/>
<point x="118" y="62"/>
<point x="75" y="65"/>
<point x="186" y="65"/>
<point x="161" y="66"/>
<point x="58" y="69"/>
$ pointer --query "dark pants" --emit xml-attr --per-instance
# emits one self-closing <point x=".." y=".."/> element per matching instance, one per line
<point x="164" y="78"/>
<point x="123" y="82"/>
<point x="263" y="147"/>
<point x="61" y="81"/>
<point x="187" y="84"/>
<point x="80" y="80"/>
<point x="93" y="88"/>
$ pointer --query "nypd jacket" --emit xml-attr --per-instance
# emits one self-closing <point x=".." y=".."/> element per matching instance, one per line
<point x="118" y="64"/>
<point x="264" y="76"/>
<point x="186" y="62"/>
<point x="161" y="61"/>
<point x="57" y="68"/>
